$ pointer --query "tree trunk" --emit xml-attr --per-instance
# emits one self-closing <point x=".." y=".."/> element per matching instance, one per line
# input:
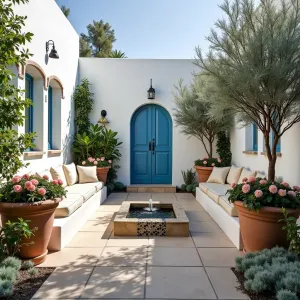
<point x="210" y="149"/>
<point x="271" y="170"/>
<point x="272" y="155"/>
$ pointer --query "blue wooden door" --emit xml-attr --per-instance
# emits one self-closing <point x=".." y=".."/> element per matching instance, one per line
<point x="151" y="146"/>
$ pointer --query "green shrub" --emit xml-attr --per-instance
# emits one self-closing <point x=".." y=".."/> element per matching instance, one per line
<point x="8" y="273"/>
<point x="119" y="186"/>
<point x="189" y="188"/>
<point x="110" y="187"/>
<point x="6" y="288"/>
<point x="12" y="262"/>
<point x="183" y="187"/>
<point x="33" y="272"/>
<point x="271" y="270"/>
<point x="194" y="189"/>
<point x="27" y="264"/>
<point x="188" y="176"/>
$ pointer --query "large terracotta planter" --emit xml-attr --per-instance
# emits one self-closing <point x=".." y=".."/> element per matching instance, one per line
<point x="262" y="229"/>
<point x="102" y="173"/>
<point x="41" y="216"/>
<point x="203" y="173"/>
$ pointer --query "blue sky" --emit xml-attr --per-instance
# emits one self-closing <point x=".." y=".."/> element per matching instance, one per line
<point x="150" y="28"/>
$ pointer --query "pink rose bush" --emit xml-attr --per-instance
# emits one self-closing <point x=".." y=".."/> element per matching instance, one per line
<point x="209" y="162"/>
<point x="99" y="162"/>
<point x="27" y="188"/>
<point x="257" y="192"/>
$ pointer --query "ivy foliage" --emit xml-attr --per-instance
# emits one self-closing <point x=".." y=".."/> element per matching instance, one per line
<point x="12" y="102"/>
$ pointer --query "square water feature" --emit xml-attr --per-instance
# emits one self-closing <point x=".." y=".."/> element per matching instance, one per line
<point x="162" y="219"/>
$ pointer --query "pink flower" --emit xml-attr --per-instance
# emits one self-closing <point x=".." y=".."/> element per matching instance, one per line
<point x="233" y="185"/>
<point x="246" y="188"/>
<point x="42" y="191"/>
<point x="31" y="188"/>
<point x="95" y="162"/>
<point x="55" y="181"/>
<point x="16" y="179"/>
<point x="212" y="164"/>
<point x="285" y="184"/>
<point x="34" y="181"/>
<point x="282" y="193"/>
<point x="219" y="160"/>
<point x="28" y="184"/>
<point x="18" y="188"/>
<point x="98" y="159"/>
<point x="110" y="161"/>
<point x="46" y="177"/>
<point x="90" y="159"/>
<point x="245" y="179"/>
<point x="83" y="163"/>
<point x="205" y="162"/>
<point x="60" y="182"/>
<point x="102" y="158"/>
<point x="251" y="179"/>
<point x="258" y="193"/>
<point x="273" y="189"/>
<point x="292" y="193"/>
<point x="26" y="176"/>
<point x="296" y="188"/>
<point x="263" y="181"/>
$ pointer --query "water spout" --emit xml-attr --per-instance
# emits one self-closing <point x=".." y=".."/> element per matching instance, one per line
<point x="150" y="205"/>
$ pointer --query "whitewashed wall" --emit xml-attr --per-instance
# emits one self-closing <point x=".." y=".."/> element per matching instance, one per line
<point x="47" y="22"/>
<point x="120" y="87"/>
<point x="287" y="166"/>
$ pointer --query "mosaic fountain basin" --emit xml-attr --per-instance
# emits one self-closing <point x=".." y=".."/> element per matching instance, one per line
<point x="169" y="220"/>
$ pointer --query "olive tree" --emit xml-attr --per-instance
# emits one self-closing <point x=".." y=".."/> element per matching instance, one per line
<point x="254" y="61"/>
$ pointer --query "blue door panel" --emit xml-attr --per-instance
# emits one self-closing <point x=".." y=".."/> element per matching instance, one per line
<point x="151" y="124"/>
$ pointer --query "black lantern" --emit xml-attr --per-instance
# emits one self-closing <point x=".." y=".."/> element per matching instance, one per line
<point x="103" y="119"/>
<point x="53" y="52"/>
<point x="151" y="91"/>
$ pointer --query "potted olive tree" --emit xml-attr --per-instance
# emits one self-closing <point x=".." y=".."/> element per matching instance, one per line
<point x="192" y="114"/>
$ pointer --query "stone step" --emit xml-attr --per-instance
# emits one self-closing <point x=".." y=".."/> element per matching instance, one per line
<point x="151" y="188"/>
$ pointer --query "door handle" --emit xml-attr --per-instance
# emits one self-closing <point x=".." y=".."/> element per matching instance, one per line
<point x="153" y="146"/>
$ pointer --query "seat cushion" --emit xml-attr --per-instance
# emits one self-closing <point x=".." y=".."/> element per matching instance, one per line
<point x="70" y="173"/>
<point x="85" y="191"/>
<point x="215" y="190"/>
<point x="234" y="175"/>
<point x="228" y="206"/>
<point x="68" y="206"/>
<point x="97" y="185"/>
<point x="203" y="187"/>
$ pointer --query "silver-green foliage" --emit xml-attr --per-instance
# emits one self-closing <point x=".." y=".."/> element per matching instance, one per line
<point x="6" y="288"/>
<point x="12" y="262"/>
<point x="33" y="272"/>
<point x="27" y="264"/>
<point x="271" y="270"/>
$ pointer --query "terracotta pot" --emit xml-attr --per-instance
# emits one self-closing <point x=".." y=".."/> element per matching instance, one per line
<point x="262" y="229"/>
<point x="41" y="216"/>
<point x="102" y="174"/>
<point x="203" y="173"/>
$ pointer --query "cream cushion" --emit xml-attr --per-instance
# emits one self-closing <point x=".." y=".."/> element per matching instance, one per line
<point x="261" y="175"/>
<point x="46" y="172"/>
<point x="246" y="173"/>
<point x="234" y="175"/>
<point x="228" y="206"/>
<point x="97" y="185"/>
<point x="70" y="173"/>
<point x="84" y="190"/>
<point x="68" y="206"/>
<point x="87" y="174"/>
<point x="203" y="187"/>
<point x="215" y="190"/>
<point x="58" y="173"/>
<point x="218" y="175"/>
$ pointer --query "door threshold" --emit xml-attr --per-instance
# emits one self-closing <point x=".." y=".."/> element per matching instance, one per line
<point x="151" y="188"/>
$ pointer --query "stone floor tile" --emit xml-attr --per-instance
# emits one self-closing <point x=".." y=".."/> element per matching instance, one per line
<point x="225" y="283"/>
<point x="127" y="241"/>
<point x="180" y="242"/>
<point x="198" y="216"/>
<point x="164" y="197"/>
<point x="160" y="256"/>
<point x="99" y="225"/>
<point x="112" y="208"/>
<point x="184" y="196"/>
<point x="89" y="240"/>
<point x="211" y="240"/>
<point x="114" y="201"/>
<point x="139" y="196"/>
<point x="204" y="227"/>
<point x="85" y="257"/>
<point x="103" y="216"/>
<point x="178" y="283"/>
<point x="219" y="257"/>
<point x="123" y="256"/>
<point x="118" y="196"/>
<point x="116" y="282"/>
<point x="64" y="283"/>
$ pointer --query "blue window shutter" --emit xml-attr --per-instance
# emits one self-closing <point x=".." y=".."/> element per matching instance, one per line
<point x="50" y="118"/>
<point x="254" y="137"/>
<point x="29" y="94"/>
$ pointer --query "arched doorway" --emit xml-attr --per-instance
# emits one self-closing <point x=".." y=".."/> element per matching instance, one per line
<point x="151" y="145"/>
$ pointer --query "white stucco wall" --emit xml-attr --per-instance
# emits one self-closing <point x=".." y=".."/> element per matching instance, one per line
<point x="47" y="22"/>
<point x="287" y="166"/>
<point x="120" y="87"/>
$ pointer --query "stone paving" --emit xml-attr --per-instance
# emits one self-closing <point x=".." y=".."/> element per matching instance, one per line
<point x="98" y="265"/>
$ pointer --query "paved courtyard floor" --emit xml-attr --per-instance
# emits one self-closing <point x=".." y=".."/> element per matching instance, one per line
<point x="98" y="265"/>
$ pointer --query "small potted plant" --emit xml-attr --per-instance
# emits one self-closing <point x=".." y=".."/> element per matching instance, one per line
<point x="103" y="166"/>
<point x="33" y="199"/>
<point x="205" y="166"/>
<point x="259" y="204"/>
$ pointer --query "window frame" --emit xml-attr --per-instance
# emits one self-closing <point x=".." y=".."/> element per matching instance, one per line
<point x="29" y="78"/>
<point x="254" y="137"/>
<point x="50" y="116"/>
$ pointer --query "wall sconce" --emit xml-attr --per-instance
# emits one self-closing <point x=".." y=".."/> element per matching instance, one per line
<point x="53" y="52"/>
<point x="151" y="91"/>
<point x="103" y="119"/>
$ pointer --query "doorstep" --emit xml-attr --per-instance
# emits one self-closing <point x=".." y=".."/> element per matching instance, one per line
<point x="151" y="188"/>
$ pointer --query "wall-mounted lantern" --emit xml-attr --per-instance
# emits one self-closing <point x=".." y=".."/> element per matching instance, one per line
<point x="151" y="91"/>
<point x="53" y="52"/>
<point x="103" y="119"/>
